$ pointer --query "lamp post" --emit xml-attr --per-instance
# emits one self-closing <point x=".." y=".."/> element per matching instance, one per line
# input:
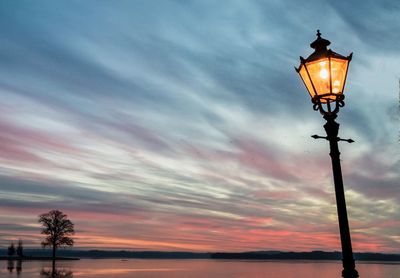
<point x="324" y="75"/>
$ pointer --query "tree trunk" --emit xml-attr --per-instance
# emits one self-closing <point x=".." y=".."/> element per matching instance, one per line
<point x="54" y="252"/>
<point x="53" y="269"/>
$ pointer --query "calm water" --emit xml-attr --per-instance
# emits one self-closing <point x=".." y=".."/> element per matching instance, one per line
<point x="191" y="269"/>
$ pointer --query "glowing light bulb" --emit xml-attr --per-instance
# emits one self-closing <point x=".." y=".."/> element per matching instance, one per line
<point x="323" y="74"/>
<point x="336" y="83"/>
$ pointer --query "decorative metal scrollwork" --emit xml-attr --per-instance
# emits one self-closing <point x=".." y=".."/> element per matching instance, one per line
<point x="329" y="106"/>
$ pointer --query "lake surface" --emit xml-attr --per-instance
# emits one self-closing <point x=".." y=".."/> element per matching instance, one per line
<point x="90" y="268"/>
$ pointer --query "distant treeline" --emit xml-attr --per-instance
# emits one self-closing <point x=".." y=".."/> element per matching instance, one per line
<point x="315" y="255"/>
<point x="259" y="255"/>
<point x="105" y="254"/>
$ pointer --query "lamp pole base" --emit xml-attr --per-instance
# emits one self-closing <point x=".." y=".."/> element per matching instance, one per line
<point x="350" y="273"/>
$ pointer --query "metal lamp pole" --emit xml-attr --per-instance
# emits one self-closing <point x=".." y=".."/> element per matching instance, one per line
<point x="332" y="129"/>
<point x="324" y="75"/>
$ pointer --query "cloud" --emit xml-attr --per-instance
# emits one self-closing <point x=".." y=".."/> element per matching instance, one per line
<point x="182" y="125"/>
<point x="373" y="22"/>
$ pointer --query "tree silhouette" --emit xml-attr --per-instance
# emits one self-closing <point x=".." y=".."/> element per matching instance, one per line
<point x="11" y="250"/>
<point x="57" y="228"/>
<point x="20" y="249"/>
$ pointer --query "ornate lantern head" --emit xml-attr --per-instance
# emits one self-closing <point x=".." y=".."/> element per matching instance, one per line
<point x="324" y="75"/>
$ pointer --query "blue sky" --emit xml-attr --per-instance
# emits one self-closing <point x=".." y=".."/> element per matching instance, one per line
<point x="182" y="125"/>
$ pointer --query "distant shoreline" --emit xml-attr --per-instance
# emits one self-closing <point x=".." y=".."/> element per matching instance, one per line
<point x="33" y="258"/>
<point x="312" y="256"/>
<point x="37" y="254"/>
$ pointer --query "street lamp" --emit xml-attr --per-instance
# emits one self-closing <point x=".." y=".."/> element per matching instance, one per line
<point x="324" y="75"/>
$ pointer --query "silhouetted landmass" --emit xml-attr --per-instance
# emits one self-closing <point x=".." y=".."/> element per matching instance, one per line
<point x="103" y="254"/>
<point x="314" y="255"/>
<point x="257" y="255"/>
<point x="377" y="257"/>
<point x="37" y="258"/>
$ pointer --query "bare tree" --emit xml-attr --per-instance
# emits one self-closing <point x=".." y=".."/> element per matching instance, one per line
<point x="11" y="250"/>
<point x="57" y="228"/>
<point x="20" y="249"/>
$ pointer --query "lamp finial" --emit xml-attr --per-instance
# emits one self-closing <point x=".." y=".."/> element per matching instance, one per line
<point x="320" y="43"/>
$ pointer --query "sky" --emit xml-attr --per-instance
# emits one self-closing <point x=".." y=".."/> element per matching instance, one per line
<point x="182" y="125"/>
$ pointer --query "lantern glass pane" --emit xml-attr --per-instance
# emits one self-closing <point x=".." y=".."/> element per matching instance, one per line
<point x="320" y="77"/>
<point x="306" y="80"/>
<point x="339" y="70"/>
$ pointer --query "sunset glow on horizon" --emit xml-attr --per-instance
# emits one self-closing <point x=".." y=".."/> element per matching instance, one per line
<point x="182" y="125"/>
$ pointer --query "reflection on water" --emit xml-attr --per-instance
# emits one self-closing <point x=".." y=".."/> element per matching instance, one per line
<point x="55" y="272"/>
<point x="135" y="268"/>
<point x="45" y="272"/>
<point x="11" y="265"/>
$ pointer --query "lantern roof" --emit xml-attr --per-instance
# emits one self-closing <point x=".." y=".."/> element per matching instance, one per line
<point x="320" y="43"/>
<point x="321" y="50"/>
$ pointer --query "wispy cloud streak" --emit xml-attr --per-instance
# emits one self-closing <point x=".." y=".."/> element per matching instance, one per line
<point x="181" y="125"/>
